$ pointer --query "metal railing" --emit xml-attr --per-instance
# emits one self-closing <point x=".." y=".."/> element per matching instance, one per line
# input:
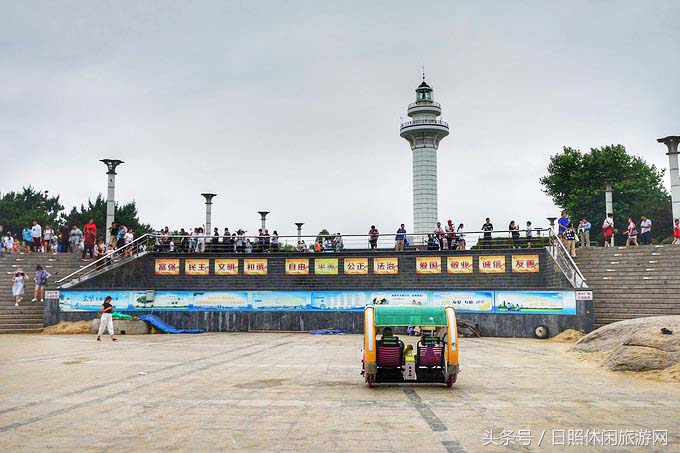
<point x="457" y="242"/>
<point x="565" y="262"/>
<point x="116" y="257"/>
<point x="424" y="104"/>
<point x="424" y="122"/>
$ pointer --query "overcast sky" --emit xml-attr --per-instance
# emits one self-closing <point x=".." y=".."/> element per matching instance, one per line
<point x="294" y="107"/>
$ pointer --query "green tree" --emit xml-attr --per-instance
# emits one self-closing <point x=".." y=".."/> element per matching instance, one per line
<point x="19" y="209"/>
<point x="324" y="234"/>
<point x="126" y="215"/>
<point x="575" y="182"/>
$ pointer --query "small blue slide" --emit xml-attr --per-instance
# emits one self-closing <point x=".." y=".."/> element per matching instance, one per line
<point x="163" y="326"/>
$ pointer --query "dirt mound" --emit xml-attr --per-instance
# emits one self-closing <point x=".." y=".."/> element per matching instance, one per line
<point x="637" y="345"/>
<point x="69" y="328"/>
<point x="568" y="336"/>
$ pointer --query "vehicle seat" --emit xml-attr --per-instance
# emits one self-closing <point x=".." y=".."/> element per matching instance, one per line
<point x="390" y="352"/>
<point x="430" y="352"/>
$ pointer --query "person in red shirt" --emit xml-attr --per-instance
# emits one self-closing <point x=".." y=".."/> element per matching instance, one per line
<point x="91" y="227"/>
<point x="676" y="232"/>
<point x="88" y="248"/>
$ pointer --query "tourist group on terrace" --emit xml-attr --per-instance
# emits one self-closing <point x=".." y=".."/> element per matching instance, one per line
<point x="91" y="245"/>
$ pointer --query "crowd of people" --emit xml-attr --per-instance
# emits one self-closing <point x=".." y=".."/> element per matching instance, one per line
<point x="635" y="233"/>
<point x="67" y="239"/>
<point x="197" y="241"/>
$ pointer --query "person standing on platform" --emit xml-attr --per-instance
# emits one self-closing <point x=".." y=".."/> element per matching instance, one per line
<point x="570" y="236"/>
<point x="460" y="237"/>
<point x="438" y="233"/>
<point x="529" y="234"/>
<point x="562" y="225"/>
<point x="645" y="230"/>
<point x="89" y="242"/>
<point x="632" y="233"/>
<point x="399" y="239"/>
<point x="514" y="232"/>
<point x="450" y="235"/>
<point x="106" y="320"/>
<point x="584" y="232"/>
<point x="36" y="236"/>
<point x="487" y="228"/>
<point x="608" y="230"/>
<point x="74" y="238"/>
<point x="373" y="235"/>
<point x="113" y="233"/>
<point x="90" y="226"/>
<point x="48" y="235"/>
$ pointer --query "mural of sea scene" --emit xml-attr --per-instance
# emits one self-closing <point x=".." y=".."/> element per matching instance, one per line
<point x="505" y="302"/>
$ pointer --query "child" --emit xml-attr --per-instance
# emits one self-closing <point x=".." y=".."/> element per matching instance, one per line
<point x="41" y="276"/>
<point x="676" y="232"/>
<point x="570" y="236"/>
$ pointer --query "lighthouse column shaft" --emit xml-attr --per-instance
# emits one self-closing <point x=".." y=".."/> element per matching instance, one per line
<point x="424" y="190"/>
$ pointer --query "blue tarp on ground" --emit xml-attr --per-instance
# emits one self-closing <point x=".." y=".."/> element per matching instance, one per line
<point x="163" y="326"/>
<point x="329" y="332"/>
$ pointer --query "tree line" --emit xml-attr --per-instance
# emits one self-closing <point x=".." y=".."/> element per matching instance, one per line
<point x="19" y="209"/>
<point x="576" y="183"/>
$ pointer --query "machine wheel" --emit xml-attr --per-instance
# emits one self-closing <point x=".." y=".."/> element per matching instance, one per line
<point x="541" y="332"/>
<point x="450" y="380"/>
<point x="370" y="379"/>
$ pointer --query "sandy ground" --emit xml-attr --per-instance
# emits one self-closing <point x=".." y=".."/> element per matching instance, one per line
<point x="296" y="392"/>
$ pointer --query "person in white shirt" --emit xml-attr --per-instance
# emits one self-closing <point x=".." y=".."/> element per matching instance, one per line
<point x="608" y="228"/>
<point x="8" y="243"/>
<point x="128" y="238"/>
<point x="645" y="230"/>
<point x="36" y="235"/>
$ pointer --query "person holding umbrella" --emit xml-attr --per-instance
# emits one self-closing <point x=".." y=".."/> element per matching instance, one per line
<point x="18" y="285"/>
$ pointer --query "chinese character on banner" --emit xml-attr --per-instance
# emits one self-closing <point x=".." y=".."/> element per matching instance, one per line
<point x="255" y="266"/>
<point x="297" y="266"/>
<point x="167" y="266"/>
<point x="525" y="263"/>
<point x="491" y="264"/>
<point x="428" y="265"/>
<point x="356" y="266"/>
<point x="326" y="266"/>
<point x="226" y="266"/>
<point x="199" y="266"/>
<point x="459" y="265"/>
<point x="386" y="266"/>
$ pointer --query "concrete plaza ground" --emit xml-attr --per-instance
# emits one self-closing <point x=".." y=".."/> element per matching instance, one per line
<point x="277" y="391"/>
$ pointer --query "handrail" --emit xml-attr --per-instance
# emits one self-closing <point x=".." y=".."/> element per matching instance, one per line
<point x="417" y="122"/>
<point x="424" y="104"/>
<point x="565" y="262"/>
<point x="108" y="257"/>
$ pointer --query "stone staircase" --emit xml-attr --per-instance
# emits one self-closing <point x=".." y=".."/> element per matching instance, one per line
<point x="632" y="283"/>
<point x="28" y="317"/>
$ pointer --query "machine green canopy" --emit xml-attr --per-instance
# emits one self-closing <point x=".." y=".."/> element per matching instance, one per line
<point x="409" y="315"/>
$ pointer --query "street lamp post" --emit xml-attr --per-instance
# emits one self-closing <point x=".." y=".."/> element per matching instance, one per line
<point x="299" y="230"/>
<point x="111" y="165"/>
<point x="208" y="212"/>
<point x="263" y="218"/>
<point x="672" y="143"/>
<point x="551" y="220"/>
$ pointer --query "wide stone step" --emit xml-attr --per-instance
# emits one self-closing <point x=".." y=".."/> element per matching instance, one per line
<point x="15" y="329"/>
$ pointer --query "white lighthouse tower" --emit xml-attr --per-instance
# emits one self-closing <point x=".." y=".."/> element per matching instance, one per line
<point x="424" y="133"/>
